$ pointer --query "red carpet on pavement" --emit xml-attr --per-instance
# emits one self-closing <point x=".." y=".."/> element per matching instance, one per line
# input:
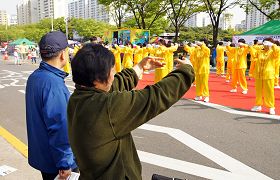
<point x="219" y="93"/>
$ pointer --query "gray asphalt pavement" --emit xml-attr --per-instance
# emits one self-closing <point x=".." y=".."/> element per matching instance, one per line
<point x="190" y="140"/>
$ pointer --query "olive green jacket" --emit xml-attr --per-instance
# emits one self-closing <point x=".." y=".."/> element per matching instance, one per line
<point x="99" y="123"/>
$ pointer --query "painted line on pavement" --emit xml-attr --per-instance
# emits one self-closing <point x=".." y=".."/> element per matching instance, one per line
<point x="238" y="169"/>
<point x="225" y="161"/>
<point x="188" y="168"/>
<point x="233" y="111"/>
<point x="15" y="142"/>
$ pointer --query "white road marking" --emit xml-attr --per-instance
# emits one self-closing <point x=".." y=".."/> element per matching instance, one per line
<point x="243" y="113"/>
<point x="236" y="168"/>
<point x="22" y="91"/>
<point x="187" y="167"/>
<point x="1" y="86"/>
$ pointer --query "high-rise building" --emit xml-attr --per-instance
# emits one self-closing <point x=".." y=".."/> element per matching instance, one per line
<point x="3" y="17"/>
<point x="32" y="11"/>
<point x="27" y="12"/>
<point x="97" y="11"/>
<point x="226" y="21"/>
<point x="241" y="27"/>
<point x="255" y="18"/>
<point x="12" y="20"/>
<point x="77" y="8"/>
<point x="88" y="9"/>
<point x="192" y="21"/>
<point x="52" y="8"/>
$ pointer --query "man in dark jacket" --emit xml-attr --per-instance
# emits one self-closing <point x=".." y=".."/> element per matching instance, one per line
<point x="104" y="109"/>
<point x="46" y="101"/>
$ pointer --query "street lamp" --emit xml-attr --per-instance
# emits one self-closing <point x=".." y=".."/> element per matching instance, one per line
<point x="66" y="20"/>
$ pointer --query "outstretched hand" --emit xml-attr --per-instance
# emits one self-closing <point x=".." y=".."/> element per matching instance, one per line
<point x="180" y="62"/>
<point x="150" y="63"/>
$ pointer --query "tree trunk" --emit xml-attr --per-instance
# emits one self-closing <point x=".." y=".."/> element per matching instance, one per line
<point x="143" y="23"/>
<point x="120" y="20"/>
<point x="177" y="29"/>
<point x="215" y="34"/>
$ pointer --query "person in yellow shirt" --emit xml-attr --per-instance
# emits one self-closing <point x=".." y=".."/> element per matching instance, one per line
<point x="138" y="53"/>
<point x="277" y="66"/>
<point x="160" y="51"/>
<point x="220" y="59"/>
<point x="128" y="55"/>
<point x="151" y="49"/>
<point x="145" y="50"/>
<point x="253" y="49"/>
<point x="116" y="50"/>
<point x="230" y="60"/>
<point x="190" y="49"/>
<point x="240" y="66"/>
<point x="169" y="53"/>
<point x="202" y="63"/>
<point x="264" y="75"/>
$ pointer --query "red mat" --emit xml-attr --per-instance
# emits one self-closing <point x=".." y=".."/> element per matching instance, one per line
<point x="219" y="93"/>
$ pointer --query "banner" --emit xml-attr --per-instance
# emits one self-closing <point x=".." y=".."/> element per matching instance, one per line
<point x="250" y="38"/>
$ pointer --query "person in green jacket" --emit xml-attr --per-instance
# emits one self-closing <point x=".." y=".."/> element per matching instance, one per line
<point x="104" y="109"/>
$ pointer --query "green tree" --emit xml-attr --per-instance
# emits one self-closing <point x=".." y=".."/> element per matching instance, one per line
<point x="180" y="11"/>
<point x="143" y="10"/>
<point x="117" y="9"/>
<point x="89" y="27"/>
<point x="215" y="8"/>
<point x="157" y="27"/>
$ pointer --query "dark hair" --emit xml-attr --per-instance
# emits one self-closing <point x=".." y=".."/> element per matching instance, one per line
<point x="256" y="41"/>
<point x="269" y="39"/>
<point x="168" y="44"/>
<point x="93" y="38"/>
<point x="277" y="43"/>
<point x="232" y="45"/>
<point x="220" y="43"/>
<point x="140" y="45"/>
<point x="162" y="42"/>
<point x="205" y="41"/>
<point x="92" y="62"/>
<point x="242" y="40"/>
<point x="49" y="56"/>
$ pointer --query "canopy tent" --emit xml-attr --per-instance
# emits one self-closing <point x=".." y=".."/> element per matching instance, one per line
<point x="269" y="29"/>
<point x="20" y="41"/>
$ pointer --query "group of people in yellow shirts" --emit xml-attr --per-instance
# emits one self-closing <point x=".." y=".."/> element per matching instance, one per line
<point x="265" y="61"/>
<point x="264" y="68"/>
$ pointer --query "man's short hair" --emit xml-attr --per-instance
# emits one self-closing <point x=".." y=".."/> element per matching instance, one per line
<point x="51" y="44"/>
<point x="93" y="39"/>
<point x="242" y="40"/>
<point x="92" y="63"/>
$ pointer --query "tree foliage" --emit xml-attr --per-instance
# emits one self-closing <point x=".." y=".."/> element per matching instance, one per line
<point x="180" y="11"/>
<point x="157" y="27"/>
<point x="144" y="10"/>
<point x="117" y="10"/>
<point x="215" y="8"/>
<point x="264" y="6"/>
<point x="34" y="32"/>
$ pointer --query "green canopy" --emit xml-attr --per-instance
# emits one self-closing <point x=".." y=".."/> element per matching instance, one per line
<point x="270" y="28"/>
<point x="20" y="41"/>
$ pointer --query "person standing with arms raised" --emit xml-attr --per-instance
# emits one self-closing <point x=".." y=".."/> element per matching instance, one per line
<point x="104" y="109"/>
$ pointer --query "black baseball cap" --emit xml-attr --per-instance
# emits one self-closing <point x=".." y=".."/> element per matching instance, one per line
<point x="53" y="42"/>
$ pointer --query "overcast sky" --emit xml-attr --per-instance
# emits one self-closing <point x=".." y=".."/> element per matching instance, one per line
<point x="10" y="7"/>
